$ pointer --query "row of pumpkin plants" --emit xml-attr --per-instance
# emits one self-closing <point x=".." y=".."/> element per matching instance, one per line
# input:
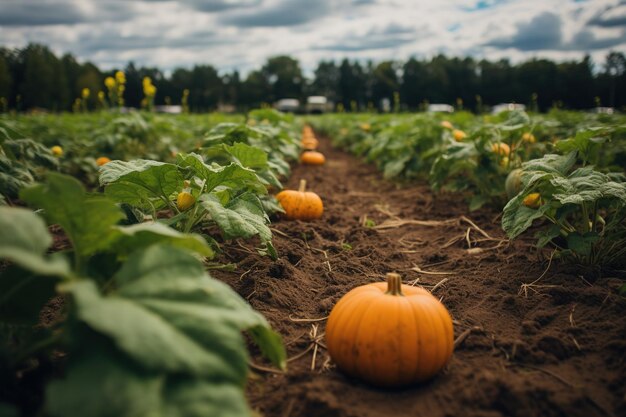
<point x="560" y="175"/>
<point x="142" y="328"/>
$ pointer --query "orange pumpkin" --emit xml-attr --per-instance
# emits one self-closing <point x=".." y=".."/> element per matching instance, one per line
<point x="310" y="143"/>
<point x="102" y="160"/>
<point x="390" y="334"/>
<point x="301" y="204"/>
<point x="312" y="158"/>
<point x="501" y="149"/>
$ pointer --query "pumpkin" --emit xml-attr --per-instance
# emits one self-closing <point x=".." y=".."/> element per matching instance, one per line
<point x="390" y="334"/>
<point x="301" y="204"/>
<point x="102" y="160"/>
<point x="307" y="130"/>
<point x="532" y="200"/>
<point x="458" y="135"/>
<point x="529" y="138"/>
<point x="312" y="158"/>
<point x="501" y="148"/>
<point x="310" y="143"/>
<point x="184" y="200"/>
<point x="446" y="125"/>
<point x="56" y="150"/>
<point x="513" y="183"/>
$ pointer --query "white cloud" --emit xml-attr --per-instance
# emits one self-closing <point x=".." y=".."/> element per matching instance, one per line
<point x="243" y="33"/>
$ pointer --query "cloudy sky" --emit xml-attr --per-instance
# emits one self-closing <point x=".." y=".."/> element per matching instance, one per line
<point x="241" y="34"/>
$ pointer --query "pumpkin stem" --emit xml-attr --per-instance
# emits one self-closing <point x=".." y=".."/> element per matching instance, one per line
<point x="302" y="186"/>
<point x="394" y="284"/>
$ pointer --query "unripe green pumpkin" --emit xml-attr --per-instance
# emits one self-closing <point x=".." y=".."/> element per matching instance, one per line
<point x="513" y="184"/>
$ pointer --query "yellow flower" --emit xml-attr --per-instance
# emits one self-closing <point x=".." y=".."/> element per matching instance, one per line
<point x="149" y="90"/>
<point x="366" y="127"/>
<point x="120" y="77"/>
<point x="532" y="200"/>
<point x="86" y="93"/>
<point x="446" y="125"/>
<point x="458" y="135"/>
<point x="529" y="137"/>
<point x="109" y="82"/>
<point x="57" y="150"/>
<point x="101" y="95"/>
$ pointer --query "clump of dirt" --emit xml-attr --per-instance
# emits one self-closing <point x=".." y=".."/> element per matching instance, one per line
<point x="551" y="348"/>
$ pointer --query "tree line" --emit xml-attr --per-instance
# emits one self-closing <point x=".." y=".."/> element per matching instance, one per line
<point x="34" y="77"/>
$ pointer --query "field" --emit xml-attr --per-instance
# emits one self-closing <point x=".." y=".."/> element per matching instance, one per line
<point x="114" y="298"/>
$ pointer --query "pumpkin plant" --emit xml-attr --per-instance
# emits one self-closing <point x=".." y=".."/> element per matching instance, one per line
<point x="143" y="327"/>
<point x="312" y="158"/>
<point x="301" y="204"/>
<point x="390" y="334"/>
<point x="580" y="211"/>
<point x="195" y="193"/>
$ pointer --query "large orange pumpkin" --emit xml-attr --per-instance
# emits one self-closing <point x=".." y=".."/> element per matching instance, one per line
<point x="301" y="204"/>
<point x="390" y="334"/>
<point x="312" y="158"/>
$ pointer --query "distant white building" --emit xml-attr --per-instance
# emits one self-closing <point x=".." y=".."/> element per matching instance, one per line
<point x="168" y="109"/>
<point x="316" y="104"/>
<point x="440" y="108"/>
<point x="287" y="105"/>
<point x="499" y="108"/>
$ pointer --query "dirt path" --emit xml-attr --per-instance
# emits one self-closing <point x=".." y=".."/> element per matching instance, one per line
<point x="555" y="349"/>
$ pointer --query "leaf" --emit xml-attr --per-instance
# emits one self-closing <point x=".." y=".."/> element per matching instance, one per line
<point x="8" y="410"/>
<point x="139" y="236"/>
<point x="248" y="156"/>
<point x="394" y="168"/>
<point x="25" y="288"/>
<point x="167" y="314"/>
<point x="196" y="398"/>
<point x="101" y="382"/>
<point x="242" y="217"/>
<point x="545" y="236"/>
<point x="86" y="220"/>
<point x="477" y="202"/>
<point x="140" y="181"/>
<point x="24" y="241"/>
<point x="582" y="244"/>
<point x="233" y="176"/>
<point x="516" y="217"/>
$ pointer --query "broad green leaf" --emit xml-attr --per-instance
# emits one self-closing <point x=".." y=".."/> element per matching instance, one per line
<point x="24" y="241"/>
<point x="140" y="181"/>
<point x="551" y="163"/>
<point x="582" y="244"/>
<point x="167" y="314"/>
<point x="248" y="156"/>
<point x="233" y="176"/>
<point x="101" y="382"/>
<point x="138" y="236"/>
<point x="86" y="220"/>
<point x="516" y="217"/>
<point x="242" y="217"/>
<point x="545" y="236"/>
<point x="8" y="410"/>
<point x="185" y="397"/>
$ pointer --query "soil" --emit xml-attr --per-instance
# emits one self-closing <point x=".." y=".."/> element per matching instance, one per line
<point x="537" y="338"/>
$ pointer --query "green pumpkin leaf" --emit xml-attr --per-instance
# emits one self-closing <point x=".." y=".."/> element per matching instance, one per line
<point x="142" y="183"/>
<point x="86" y="220"/>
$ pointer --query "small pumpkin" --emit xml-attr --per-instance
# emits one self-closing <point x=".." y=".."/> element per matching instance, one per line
<point x="390" y="334"/>
<point x="312" y="158"/>
<point x="56" y="150"/>
<point x="310" y="143"/>
<point x="513" y="183"/>
<point x="532" y="200"/>
<point x="301" y="204"/>
<point x="458" y="135"/>
<point x="102" y="160"/>
<point x="184" y="200"/>
<point x="446" y="125"/>
<point x="501" y="148"/>
<point x="529" y="138"/>
<point x="307" y="130"/>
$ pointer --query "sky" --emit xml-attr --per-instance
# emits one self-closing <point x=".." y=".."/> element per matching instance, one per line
<point x="242" y="34"/>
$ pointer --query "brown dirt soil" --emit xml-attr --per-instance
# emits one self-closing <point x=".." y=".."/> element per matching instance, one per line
<point x="554" y="348"/>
